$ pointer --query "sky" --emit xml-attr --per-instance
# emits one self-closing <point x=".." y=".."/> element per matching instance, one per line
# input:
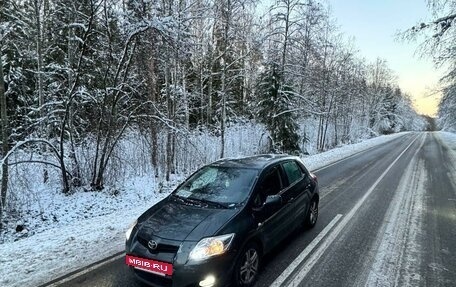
<point x="374" y="25"/>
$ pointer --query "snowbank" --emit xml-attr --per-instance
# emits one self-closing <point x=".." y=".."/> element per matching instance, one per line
<point x="449" y="139"/>
<point x="319" y="160"/>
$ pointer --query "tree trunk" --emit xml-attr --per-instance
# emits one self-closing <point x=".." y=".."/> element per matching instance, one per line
<point x="335" y="130"/>
<point x="320" y="133"/>
<point x="285" y="40"/>
<point x="201" y="83"/>
<point x="76" y="169"/>
<point x="169" y="135"/>
<point x="99" y="181"/>
<point x="154" y="145"/>
<point x="185" y="95"/>
<point x="5" y="139"/>
<point x="327" y="119"/>
<point x="243" y="104"/>
<point x="66" y="185"/>
<point x="39" y="52"/>
<point x="223" y="119"/>
<point x="209" y="88"/>
<point x="152" y="82"/>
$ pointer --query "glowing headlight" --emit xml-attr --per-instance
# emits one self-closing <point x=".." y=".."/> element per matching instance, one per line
<point x="130" y="229"/>
<point x="211" y="246"/>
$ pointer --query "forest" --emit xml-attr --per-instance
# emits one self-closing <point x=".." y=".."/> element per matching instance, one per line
<point x="95" y="89"/>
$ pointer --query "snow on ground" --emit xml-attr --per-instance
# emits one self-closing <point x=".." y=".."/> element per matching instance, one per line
<point x="75" y="231"/>
<point x="449" y="139"/>
<point x="91" y="226"/>
<point x="62" y="249"/>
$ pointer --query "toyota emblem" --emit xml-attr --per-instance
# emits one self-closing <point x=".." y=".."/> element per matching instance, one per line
<point x="152" y="244"/>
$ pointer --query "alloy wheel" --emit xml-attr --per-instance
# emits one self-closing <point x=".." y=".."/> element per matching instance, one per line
<point x="249" y="267"/>
<point x="313" y="213"/>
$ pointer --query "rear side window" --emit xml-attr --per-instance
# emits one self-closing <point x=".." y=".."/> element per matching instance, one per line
<point x="293" y="171"/>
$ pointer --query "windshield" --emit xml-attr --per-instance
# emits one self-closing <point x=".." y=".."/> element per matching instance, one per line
<point x="223" y="185"/>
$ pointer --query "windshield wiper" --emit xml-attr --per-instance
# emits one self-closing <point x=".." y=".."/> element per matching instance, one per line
<point x="210" y="202"/>
<point x="187" y="200"/>
<point x="199" y="201"/>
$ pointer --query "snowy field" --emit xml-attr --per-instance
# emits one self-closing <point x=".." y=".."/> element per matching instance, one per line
<point x="87" y="227"/>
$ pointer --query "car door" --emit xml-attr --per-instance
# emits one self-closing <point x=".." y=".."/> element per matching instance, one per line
<point x="271" y="223"/>
<point x="298" y="190"/>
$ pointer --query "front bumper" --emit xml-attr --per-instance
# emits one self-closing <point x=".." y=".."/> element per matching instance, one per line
<point x="185" y="273"/>
<point x="189" y="275"/>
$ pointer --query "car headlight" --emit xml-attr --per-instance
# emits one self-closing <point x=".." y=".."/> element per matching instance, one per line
<point x="211" y="246"/>
<point x="130" y="229"/>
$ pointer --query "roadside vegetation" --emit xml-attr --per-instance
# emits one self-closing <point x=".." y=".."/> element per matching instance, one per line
<point x="440" y="44"/>
<point x="94" y="93"/>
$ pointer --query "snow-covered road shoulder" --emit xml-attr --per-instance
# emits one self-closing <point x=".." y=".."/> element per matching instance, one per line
<point x="449" y="139"/>
<point x="320" y="160"/>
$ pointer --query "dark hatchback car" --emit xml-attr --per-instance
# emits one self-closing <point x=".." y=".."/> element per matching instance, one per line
<point x="215" y="227"/>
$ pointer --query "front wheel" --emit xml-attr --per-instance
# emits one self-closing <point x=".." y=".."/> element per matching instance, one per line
<point x="247" y="266"/>
<point x="312" y="215"/>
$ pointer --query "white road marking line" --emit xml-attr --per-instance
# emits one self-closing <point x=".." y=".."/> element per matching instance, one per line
<point x="282" y="277"/>
<point x="304" y="270"/>
<point x="96" y="266"/>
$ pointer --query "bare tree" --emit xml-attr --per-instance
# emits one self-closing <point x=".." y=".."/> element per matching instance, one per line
<point x="5" y="140"/>
<point x="440" y="44"/>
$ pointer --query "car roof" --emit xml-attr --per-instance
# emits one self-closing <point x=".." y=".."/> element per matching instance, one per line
<point x="255" y="162"/>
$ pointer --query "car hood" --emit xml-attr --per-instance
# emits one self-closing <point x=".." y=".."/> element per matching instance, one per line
<point x="175" y="220"/>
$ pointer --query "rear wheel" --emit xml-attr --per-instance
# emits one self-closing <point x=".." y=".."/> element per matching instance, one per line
<point x="247" y="266"/>
<point x="312" y="215"/>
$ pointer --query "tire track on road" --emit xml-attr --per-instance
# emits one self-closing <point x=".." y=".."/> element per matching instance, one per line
<point x="398" y="253"/>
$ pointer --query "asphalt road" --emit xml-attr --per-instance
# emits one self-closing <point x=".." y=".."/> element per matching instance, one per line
<point x="387" y="218"/>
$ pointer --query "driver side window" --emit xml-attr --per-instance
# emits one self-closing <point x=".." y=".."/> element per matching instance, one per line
<point x="270" y="184"/>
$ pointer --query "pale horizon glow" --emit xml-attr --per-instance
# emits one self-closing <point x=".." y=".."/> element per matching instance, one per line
<point x="374" y="26"/>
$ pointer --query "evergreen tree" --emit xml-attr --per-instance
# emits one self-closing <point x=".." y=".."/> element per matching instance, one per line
<point x="274" y="111"/>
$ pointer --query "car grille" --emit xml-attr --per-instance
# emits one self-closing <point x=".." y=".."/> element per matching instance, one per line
<point x="161" y="247"/>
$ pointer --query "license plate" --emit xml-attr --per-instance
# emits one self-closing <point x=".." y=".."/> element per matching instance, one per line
<point x="157" y="267"/>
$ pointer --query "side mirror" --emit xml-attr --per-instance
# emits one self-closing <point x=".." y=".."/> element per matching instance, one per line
<point x="269" y="207"/>
<point x="273" y="202"/>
